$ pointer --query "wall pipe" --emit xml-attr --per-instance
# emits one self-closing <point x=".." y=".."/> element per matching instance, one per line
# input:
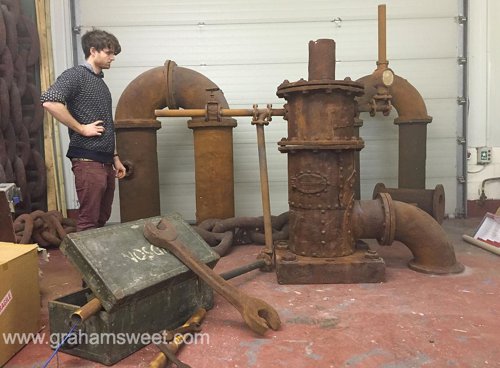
<point x="136" y="125"/>
<point x="387" y="220"/>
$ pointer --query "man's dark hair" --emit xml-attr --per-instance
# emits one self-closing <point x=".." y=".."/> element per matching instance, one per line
<point x="100" y="40"/>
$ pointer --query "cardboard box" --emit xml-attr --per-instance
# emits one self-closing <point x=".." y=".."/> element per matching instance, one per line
<point x="19" y="296"/>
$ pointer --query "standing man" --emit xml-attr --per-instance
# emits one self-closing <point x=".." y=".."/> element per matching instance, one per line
<point x="81" y="100"/>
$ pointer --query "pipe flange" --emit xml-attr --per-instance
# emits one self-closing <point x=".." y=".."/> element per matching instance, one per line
<point x="387" y="237"/>
<point x="425" y="121"/>
<point x="327" y="85"/>
<point x="169" y="82"/>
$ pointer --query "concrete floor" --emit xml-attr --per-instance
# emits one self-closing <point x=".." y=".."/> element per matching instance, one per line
<point x="411" y="320"/>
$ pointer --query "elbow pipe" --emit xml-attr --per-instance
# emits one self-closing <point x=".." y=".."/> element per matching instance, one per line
<point x="136" y="125"/>
<point x="412" y="121"/>
<point x="405" y="98"/>
<point x="408" y="102"/>
<point x="387" y="220"/>
<point x="169" y="86"/>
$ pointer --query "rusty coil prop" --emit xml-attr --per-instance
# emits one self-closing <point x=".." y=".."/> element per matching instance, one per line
<point x="221" y="235"/>
<point x="21" y="114"/>
<point x="45" y="228"/>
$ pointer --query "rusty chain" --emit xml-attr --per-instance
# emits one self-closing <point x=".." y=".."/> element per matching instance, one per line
<point x="45" y="228"/>
<point x="221" y="235"/>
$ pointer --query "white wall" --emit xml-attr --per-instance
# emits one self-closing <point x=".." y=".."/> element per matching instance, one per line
<point x="484" y="95"/>
<point x="249" y="47"/>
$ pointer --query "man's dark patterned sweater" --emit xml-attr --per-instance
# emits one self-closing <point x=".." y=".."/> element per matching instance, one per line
<point x="88" y="99"/>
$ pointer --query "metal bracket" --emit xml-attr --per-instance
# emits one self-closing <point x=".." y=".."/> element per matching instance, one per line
<point x="262" y="116"/>
<point x="212" y="107"/>
<point x="337" y="21"/>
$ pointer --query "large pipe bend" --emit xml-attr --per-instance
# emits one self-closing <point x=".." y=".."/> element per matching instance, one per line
<point x="136" y="125"/>
<point x="432" y="251"/>
<point x="166" y="86"/>
<point x="406" y="99"/>
<point x="408" y="102"/>
<point x="189" y="89"/>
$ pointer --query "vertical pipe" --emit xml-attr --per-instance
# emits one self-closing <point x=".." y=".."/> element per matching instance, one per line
<point x="213" y="160"/>
<point x="264" y="188"/>
<point x="412" y="155"/>
<point x="76" y="30"/>
<point x="321" y="59"/>
<point x="139" y="190"/>
<point x="382" y="35"/>
<point x="462" y="170"/>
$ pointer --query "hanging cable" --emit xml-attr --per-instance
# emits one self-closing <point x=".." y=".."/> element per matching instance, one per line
<point x="61" y="344"/>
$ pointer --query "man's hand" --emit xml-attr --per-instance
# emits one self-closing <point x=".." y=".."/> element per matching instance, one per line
<point x="61" y="113"/>
<point x="120" y="169"/>
<point x="92" y="129"/>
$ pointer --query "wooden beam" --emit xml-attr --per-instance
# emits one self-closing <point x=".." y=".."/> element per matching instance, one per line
<point x="56" y="196"/>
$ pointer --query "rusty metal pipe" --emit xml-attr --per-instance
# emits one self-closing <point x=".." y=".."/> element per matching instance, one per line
<point x="412" y="113"/>
<point x="430" y="200"/>
<point x="223" y="112"/>
<point x="264" y="188"/>
<point x="136" y="143"/>
<point x="174" y="87"/>
<point x="412" y="121"/>
<point x="408" y="102"/>
<point x="382" y="35"/>
<point x="321" y="60"/>
<point x="432" y="251"/>
<point x="161" y="360"/>
<point x="85" y="312"/>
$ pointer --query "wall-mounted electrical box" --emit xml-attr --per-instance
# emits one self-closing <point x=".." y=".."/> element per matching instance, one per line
<point x="483" y="155"/>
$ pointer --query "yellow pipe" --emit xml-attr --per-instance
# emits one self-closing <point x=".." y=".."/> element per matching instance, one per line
<point x="85" y="312"/>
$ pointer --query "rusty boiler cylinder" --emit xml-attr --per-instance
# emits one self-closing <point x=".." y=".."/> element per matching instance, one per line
<point x="321" y="147"/>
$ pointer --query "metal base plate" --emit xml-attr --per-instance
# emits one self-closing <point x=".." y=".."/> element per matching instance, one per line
<point x="363" y="266"/>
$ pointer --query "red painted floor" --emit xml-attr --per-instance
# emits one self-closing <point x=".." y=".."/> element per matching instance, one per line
<point x="411" y="320"/>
